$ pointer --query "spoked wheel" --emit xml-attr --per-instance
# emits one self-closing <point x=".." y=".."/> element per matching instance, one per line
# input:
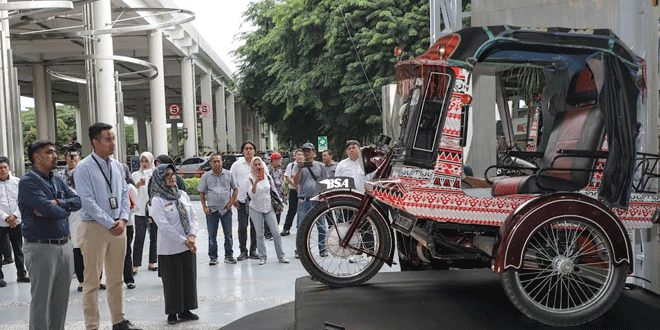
<point x="325" y="260"/>
<point x="568" y="276"/>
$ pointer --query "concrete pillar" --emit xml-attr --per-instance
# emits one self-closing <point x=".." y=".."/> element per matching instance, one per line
<point x="221" y="119"/>
<point x="188" y="106"/>
<point x="104" y="69"/>
<point x="43" y="103"/>
<point x="272" y="138"/>
<point x="234" y="127"/>
<point x="136" y="134"/>
<point x="208" y="131"/>
<point x="83" y="121"/>
<point x="175" y="138"/>
<point x="157" y="94"/>
<point x="140" y="126"/>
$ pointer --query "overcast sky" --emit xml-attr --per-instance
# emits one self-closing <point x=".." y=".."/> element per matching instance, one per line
<point x="218" y="21"/>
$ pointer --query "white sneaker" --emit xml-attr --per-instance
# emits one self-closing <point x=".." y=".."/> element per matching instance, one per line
<point x="355" y="258"/>
<point x="283" y="260"/>
<point x="262" y="261"/>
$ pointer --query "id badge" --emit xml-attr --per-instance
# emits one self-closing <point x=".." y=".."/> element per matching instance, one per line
<point x="113" y="202"/>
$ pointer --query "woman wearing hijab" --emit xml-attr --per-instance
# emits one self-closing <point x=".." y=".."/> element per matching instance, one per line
<point x="261" y="210"/>
<point x="141" y="179"/>
<point x="172" y="211"/>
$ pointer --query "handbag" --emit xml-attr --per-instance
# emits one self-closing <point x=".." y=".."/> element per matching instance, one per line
<point x="275" y="199"/>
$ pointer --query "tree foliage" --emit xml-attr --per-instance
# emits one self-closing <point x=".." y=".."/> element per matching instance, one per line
<point x="299" y="68"/>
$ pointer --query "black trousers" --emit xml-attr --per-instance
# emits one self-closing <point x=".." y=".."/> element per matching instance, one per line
<point x="128" y="259"/>
<point x="16" y="238"/>
<point x="5" y="247"/>
<point x="179" y="275"/>
<point x="138" y="246"/>
<point x="79" y="265"/>
<point x="293" y="209"/>
<point x="243" y="220"/>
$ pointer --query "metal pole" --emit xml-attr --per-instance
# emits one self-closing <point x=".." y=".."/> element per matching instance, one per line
<point x="233" y="127"/>
<point x="120" y="146"/>
<point x="221" y="118"/>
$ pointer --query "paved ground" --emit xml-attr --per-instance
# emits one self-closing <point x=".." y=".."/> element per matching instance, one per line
<point x="226" y="292"/>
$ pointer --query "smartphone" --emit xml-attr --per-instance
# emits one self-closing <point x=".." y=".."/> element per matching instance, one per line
<point x="307" y="164"/>
<point x="261" y="173"/>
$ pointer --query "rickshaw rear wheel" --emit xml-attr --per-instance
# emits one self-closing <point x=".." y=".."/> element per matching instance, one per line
<point x="322" y="256"/>
<point x="567" y="275"/>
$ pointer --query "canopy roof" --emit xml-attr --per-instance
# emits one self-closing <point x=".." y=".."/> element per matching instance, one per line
<point x="511" y="44"/>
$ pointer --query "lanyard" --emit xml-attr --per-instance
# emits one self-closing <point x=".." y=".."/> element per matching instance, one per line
<point x="102" y="172"/>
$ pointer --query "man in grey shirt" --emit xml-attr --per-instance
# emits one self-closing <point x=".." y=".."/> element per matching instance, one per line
<point x="330" y="165"/>
<point x="305" y="175"/>
<point x="217" y="192"/>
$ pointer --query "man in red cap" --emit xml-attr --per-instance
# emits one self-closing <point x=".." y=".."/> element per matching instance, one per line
<point x="276" y="172"/>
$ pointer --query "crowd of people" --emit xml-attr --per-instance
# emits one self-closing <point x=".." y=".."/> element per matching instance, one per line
<point x="93" y="217"/>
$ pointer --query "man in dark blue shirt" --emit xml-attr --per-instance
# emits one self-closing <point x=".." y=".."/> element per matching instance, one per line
<point x="45" y="202"/>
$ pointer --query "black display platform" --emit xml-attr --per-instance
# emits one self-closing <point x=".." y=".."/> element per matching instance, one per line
<point x="456" y="299"/>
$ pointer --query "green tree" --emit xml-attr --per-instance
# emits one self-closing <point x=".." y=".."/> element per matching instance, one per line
<point x="299" y="68"/>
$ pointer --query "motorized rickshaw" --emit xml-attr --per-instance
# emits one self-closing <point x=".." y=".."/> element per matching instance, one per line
<point x="550" y="215"/>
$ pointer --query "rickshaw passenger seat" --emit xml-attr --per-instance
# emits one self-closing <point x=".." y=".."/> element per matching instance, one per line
<point x="578" y="129"/>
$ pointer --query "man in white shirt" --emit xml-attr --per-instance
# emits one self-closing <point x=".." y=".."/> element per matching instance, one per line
<point x="353" y="166"/>
<point x="240" y="169"/>
<point x="10" y="219"/>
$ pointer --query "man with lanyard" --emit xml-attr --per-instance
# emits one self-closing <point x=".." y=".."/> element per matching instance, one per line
<point x="45" y="203"/>
<point x="306" y="173"/>
<point x="240" y="169"/>
<point x="105" y="210"/>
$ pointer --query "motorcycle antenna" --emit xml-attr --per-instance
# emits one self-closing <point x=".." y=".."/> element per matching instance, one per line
<point x="364" y="71"/>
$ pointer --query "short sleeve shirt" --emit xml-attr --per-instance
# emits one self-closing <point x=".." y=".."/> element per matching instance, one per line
<point x="218" y="189"/>
<point x="307" y="185"/>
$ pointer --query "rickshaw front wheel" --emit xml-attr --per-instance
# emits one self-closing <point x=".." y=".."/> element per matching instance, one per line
<point x="318" y="243"/>
<point x="567" y="275"/>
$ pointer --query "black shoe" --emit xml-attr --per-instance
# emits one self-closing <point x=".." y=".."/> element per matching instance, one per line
<point x="254" y="255"/>
<point x="268" y="237"/>
<point x="285" y="232"/>
<point x="296" y="254"/>
<point x="102" y="287"/>
<point x="23" y="279"/>
<point x="130" y="285"/>
<point x="7" y="262"/>
<point x="125" y="325"/>
<point x="188" y="316"/>
<point x="242" y="256"/>
<point x="3" y="283"/>
<point x="324" y="254"/>
<point x="171" y="319"/>
<point x="80" y="288"/>
<point x="230" y="260"/>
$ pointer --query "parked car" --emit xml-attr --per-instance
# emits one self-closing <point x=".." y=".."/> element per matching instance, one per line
<point x="229" y="159"/>
<point x="194" y="167"/>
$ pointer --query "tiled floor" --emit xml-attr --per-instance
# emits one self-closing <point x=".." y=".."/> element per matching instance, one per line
<point x="226" y="292"/>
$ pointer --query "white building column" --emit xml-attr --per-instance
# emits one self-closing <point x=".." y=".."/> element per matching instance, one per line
<point x="208" y="134"/>
<point x="44" y="107"/>
<point x="272" y="139"/>
<point x="221" y="119"/>
<point x="83" y="121"/>
<point x="104" y="69"/>
<point x="188" y="106"/>
<point x="157" y="94"/>
<point x="234" y="126"/>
